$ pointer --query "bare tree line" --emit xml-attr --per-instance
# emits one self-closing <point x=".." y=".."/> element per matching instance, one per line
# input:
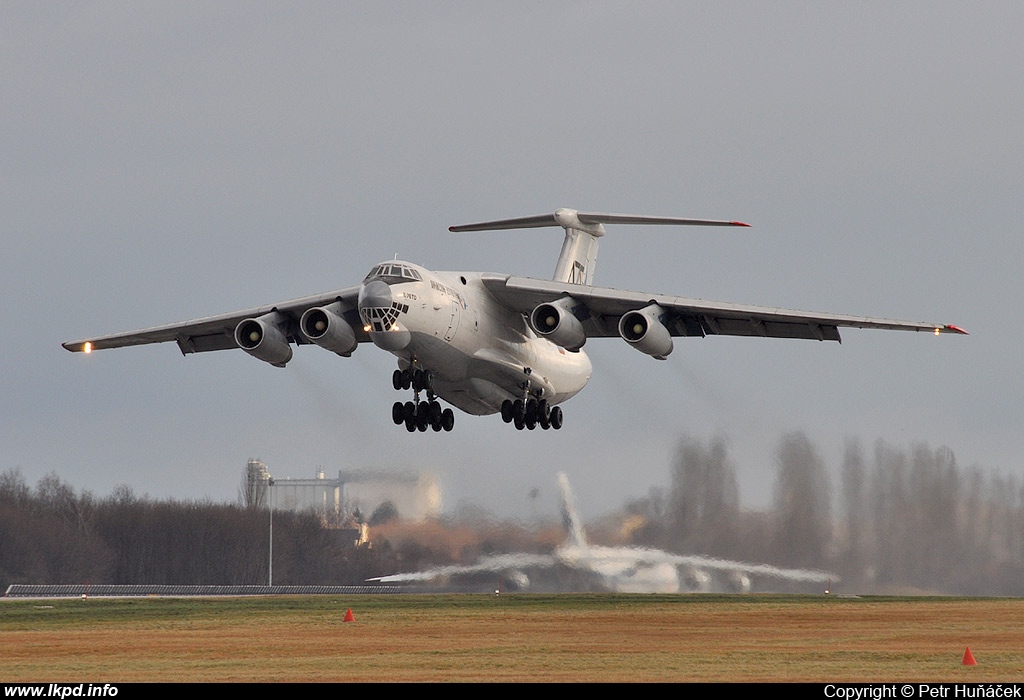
<point x="904" y="520"/>
<point x="50" y="534"/>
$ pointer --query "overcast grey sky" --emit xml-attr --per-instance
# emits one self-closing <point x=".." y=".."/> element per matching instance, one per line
<point x="164" y="161"/>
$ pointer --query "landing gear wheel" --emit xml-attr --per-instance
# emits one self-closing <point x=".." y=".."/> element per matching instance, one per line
<point x="447" y="420"/>
<point x="435" y="416"/>
<point x="544" y="414"/>
<point x="422" y="416"/>
<point x="530" y="413"/>
<point x="556" y="417"/>
<point x="396" y="380"/>
<point x="398" y="413"/>
<point x="506" y="411"/>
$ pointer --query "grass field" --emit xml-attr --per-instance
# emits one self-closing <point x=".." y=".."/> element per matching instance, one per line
<point x="512" y="638"/>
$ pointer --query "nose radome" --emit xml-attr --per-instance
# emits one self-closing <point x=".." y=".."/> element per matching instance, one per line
<point x="375" y="294"/>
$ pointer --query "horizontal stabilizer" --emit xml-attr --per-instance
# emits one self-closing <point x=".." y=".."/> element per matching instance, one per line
<point x="570" y="218"/>
<point x="578" y="258"/>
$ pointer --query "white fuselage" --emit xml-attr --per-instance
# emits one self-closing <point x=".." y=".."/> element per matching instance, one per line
<point x="622" y="569"/>
<point x="479" y="352"/>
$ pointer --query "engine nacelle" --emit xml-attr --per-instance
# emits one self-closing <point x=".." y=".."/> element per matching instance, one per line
<point x="738" y="582"/>
<point x="644" y="330"/>
<point x="557" y="322"/>
<point x="324" y="326"/>
<point x="262" y="338"/>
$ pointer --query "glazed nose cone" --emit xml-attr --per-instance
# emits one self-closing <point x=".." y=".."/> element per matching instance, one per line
<point x="375" y="294"/>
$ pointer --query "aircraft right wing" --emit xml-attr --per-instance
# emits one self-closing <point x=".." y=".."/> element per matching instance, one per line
<point x="600" y="309"/>
<point x="218" y="332"/>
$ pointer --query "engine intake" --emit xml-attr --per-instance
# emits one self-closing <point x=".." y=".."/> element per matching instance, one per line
<point x="324" y="326"/>
<point x="262" y="338"/>
<point x="557" y="322"/>
<point x="644" y="330"/>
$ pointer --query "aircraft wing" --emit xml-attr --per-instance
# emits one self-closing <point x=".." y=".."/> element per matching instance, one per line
<point x="687" y="317"/>
<point x="217" y="332"/>
<point x="595" y="557"/>
<point x="598" y="556"/>
<point x="498" y="563"/>
<point x="806" y="575"/>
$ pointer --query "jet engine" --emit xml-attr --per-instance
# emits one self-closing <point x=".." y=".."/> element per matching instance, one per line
<point x="644" y="330"/>
<point x="693" y="580"/>
<point x="324" y="326"/>
<point x="262" y="338"/>
<point x="557" y="322"/>
<point x="738" y="582"/>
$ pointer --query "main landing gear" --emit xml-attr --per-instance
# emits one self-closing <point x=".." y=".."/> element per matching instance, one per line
<point x="416" y="414"/>
<point x="530" y="411"/>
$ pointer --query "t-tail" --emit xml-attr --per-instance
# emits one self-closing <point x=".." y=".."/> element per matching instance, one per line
<point x="570" y="518"/>
<point x="583" y="230"/>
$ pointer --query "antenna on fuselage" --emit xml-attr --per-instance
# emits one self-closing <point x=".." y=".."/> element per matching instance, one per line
<point x="578" y="258"/>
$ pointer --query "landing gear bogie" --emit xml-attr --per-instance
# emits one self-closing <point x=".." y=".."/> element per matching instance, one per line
<point x="531" y="413"/>
<point x="419" y="414"/>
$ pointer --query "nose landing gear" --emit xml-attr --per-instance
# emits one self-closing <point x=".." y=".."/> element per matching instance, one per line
<point x="419" y="414"/>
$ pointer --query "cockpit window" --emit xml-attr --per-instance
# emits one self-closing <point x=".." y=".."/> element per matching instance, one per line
<point x="392" y="273"/>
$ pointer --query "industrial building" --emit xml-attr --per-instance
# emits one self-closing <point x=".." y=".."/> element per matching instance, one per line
<point x="354" y="495"/>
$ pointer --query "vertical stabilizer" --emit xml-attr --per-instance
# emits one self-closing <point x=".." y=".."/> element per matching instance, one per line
<point x="578" y="258"/>
<point x="570" y="518"/>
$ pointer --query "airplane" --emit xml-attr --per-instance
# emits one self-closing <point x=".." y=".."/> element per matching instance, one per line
<point x="492" y="343"/>
<point x="613" y="569"/>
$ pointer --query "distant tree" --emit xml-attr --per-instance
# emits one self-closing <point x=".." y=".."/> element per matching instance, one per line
<point x="856" y="523"/>
<point x="802" y="504"/>
<point x="704" y="501"/>
<point x="13" y="489"/>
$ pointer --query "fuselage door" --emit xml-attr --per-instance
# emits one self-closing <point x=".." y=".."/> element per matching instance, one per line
<point x="453" y="325"/>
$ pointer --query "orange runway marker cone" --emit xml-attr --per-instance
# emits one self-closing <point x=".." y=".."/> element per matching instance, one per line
<point x="969" y="658"/>
<point x="349" y="617"/>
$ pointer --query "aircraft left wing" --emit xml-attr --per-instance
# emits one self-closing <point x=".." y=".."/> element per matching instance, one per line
<point x="218" y="332"/>
<point x="498" y="563"/>
<point x="727" y="566"/>
<point x="599" y="310"/>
